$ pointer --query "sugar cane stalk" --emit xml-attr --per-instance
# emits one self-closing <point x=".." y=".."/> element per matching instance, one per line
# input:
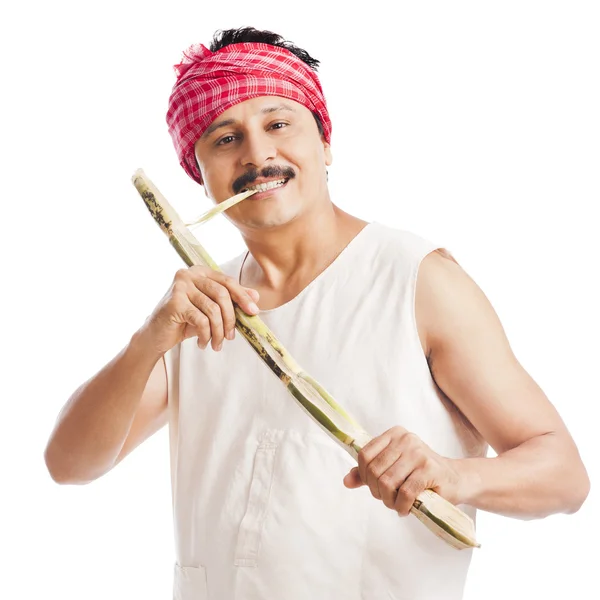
<point x="440" y="516"/>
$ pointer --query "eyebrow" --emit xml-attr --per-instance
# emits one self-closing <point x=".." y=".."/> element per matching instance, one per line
<point x="228" y="122"/>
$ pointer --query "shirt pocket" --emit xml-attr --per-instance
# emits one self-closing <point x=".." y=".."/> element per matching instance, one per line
<point x="189" y="583"/>
<point x="303" y="531"/>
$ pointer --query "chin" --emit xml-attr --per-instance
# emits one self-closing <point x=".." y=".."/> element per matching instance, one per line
<point x="270" y="221"/>
<point x="268" y="217"/>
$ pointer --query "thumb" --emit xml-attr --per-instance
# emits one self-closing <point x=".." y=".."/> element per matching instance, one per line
<point x="352" y="479"/>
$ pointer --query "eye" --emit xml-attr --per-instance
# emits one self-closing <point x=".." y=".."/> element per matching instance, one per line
<point x="278" y="124"/>
<point x="223" y="141"/>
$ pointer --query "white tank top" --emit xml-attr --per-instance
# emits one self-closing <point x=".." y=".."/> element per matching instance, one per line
<point x="260" y="510"/>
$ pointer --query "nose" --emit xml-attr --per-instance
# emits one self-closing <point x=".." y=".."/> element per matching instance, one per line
<point x="258" y="148"/>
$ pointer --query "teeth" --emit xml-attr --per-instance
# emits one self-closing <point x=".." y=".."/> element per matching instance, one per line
<point x="263" y="187"/>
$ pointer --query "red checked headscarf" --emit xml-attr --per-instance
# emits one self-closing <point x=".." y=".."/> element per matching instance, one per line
<point x="208" y="83"/>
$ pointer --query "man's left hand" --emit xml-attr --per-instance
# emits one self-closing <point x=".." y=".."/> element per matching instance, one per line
<point x="397" y="466"/>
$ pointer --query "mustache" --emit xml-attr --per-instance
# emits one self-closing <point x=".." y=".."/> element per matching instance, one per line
<point x="271" y="171"/>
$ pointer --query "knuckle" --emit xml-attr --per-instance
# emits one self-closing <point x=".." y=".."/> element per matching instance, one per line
<point x="203" y="321"/>
<point x="212" y="311"/>
<point x="367" y="454"/>
<point x="406" y="491"/>
<point x="222" y="293"/>
<point x="386" y="481"/>
<point x="372" y="469"/>
<point x="428" y="463"/>
<point x="198" y="320"/>
<point x="411" y="439"/>
<point x="206" y="284"/>
<point x="181" y="274"/>
<point x="417" y="455"/>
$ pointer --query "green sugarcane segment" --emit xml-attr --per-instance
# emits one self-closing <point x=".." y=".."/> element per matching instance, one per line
<point x="429" y="506"/>
<point x="328" y="398"/>
<point x="310" y="398"/>
<point x="319" y="415"/>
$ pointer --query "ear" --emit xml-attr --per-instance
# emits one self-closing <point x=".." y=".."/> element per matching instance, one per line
<point x="328" y="155"/>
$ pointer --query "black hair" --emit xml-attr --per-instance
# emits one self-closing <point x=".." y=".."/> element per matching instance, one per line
<point x="226" y="37"/>
<point x="250" y="34"/>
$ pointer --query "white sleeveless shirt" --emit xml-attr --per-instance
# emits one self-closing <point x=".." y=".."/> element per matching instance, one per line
<point x="260" y="510"/>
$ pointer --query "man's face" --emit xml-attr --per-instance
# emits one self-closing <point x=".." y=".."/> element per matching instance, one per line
<point x="266" y="139"/>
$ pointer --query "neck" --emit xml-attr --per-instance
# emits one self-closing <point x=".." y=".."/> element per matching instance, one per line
<point x="293" y="254"/>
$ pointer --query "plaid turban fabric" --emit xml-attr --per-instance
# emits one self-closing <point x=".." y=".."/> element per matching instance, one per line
<point x="208" y="83"/>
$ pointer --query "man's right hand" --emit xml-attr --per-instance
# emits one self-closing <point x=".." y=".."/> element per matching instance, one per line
<point x="198" y="303"/>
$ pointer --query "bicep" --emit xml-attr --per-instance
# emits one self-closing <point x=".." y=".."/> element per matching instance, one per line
<point x="472" y="362"/>
<point x="151" y="414"/>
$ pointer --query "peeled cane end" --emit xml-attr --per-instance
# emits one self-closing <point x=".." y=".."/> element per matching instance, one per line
<point x="445" y="520"/>
<point x="152" y="199"/>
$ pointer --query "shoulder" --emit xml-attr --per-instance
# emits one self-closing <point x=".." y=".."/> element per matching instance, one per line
<point x="449" y="305"/>
<point x="442" y="277"/>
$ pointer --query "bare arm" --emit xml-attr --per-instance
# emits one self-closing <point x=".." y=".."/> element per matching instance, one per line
<point x="109" y="415"/>
<point x="538" y="470"/>
<point x="126" y="402"/>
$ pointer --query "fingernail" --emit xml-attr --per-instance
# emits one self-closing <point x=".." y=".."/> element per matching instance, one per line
<point x="219" y="347"/>
<point x="253" y="307"/>
<point x="230" y="334"/>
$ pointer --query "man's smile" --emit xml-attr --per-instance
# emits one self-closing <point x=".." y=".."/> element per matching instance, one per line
<point x="264" y="186"/>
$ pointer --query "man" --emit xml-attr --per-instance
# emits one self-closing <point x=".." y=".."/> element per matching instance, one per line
<point x="387" y="321"/>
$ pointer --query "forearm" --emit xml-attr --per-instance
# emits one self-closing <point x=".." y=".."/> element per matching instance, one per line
<point x="540" y="477"/>
<point x="93" y="425"/>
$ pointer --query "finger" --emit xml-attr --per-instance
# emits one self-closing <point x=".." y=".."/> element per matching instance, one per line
<point x="220" y="295"/>
<point x="203" y="331"/>
<point x="392" y="480"/>
<point x="370" y="451"/>
<point x="414" y="484"/>
<point x="352" y="479"/>
<point x="238" y="293"/>
<point x="253" y="294"/>
<point x="379" y="465"/>
<point x="213" y="312"/>
<point x="198" y="325"/>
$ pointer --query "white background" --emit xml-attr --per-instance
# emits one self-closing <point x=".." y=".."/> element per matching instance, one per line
<point x="474" y="124"/>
